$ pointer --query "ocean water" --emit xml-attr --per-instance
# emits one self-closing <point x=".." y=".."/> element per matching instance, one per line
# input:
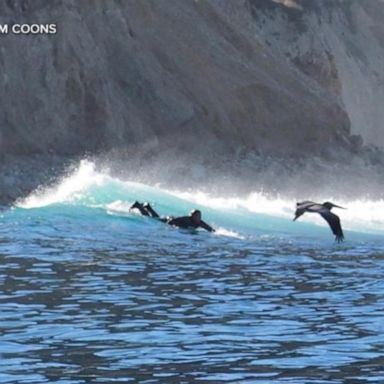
<point x="93" y="293"/>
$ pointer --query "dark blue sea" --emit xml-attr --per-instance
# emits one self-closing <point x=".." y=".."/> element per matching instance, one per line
<point x="94" y="293"/>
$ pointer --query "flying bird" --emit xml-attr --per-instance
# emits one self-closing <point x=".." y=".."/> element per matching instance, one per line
<point x="324" y="210"/>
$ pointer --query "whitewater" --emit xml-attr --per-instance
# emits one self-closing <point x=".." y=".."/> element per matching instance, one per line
<point x="94" y="292"/>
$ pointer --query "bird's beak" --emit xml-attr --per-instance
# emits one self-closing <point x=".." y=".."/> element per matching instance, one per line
<point x="338" y="206"/>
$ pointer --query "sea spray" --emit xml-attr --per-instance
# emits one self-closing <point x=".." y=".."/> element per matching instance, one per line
<point x="69" y="189"/>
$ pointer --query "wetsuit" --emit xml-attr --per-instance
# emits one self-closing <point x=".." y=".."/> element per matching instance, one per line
<point x="187" y="222"/>
<point x="184" y="222"/>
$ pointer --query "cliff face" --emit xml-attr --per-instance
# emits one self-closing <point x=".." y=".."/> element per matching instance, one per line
<point x="202" y="79"/>
<point x="339" y="45"/>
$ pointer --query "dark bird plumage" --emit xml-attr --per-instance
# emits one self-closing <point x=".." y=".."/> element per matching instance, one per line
<point x="324" y="210"/>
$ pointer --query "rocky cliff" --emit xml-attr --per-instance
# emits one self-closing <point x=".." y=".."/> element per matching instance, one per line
<point x="209" y="82"/>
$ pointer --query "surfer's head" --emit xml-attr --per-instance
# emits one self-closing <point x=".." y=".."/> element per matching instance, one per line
<point x="196" y="216"/>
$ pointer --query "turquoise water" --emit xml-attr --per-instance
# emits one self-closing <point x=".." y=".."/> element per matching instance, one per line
<point x="92" y="293"/>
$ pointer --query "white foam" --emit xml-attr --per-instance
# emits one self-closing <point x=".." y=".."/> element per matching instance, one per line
<point x="361" y="214"/>
<point x="257" y="202"/>
<point x="119" y="207"/>
<point x="70" y="188"/>
<point x="228" y="233"/>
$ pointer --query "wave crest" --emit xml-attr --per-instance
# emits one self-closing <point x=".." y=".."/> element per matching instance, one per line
<point x="87" y="186"/>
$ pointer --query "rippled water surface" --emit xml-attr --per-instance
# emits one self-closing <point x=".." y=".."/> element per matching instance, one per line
<point x="91" y="296"/>
<point x="107" y="299"/>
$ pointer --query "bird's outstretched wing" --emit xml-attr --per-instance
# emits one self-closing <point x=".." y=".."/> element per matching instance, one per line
<point x="304" y="204"/>
<point x="301" y="208"/>
<point x="334" y="222"/>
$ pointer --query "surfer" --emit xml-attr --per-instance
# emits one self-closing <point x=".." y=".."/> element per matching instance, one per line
<point x="191" y="221"/>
